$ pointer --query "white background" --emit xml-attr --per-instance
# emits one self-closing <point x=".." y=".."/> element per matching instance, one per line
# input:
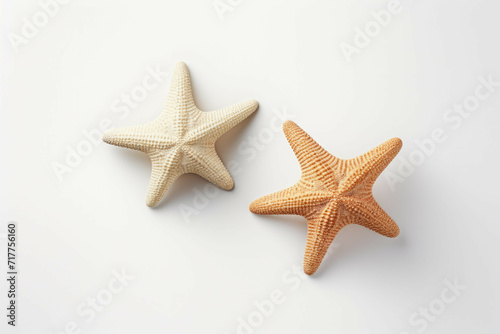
<point x="199" y="273"/>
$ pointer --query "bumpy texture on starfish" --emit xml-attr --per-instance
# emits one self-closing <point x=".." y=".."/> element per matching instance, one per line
<point x="331" y="193"/>
<point x="182" y="139"/>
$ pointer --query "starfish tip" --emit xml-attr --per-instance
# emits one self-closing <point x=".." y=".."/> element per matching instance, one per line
<point x="396" y="142"/>
<point x="180" y="64"/>
<point x="394" y="232"/>
<point x="253" y="104"/>
<point x="151" y="202"/>
<point x="288" y="125"/>
<point x="228" y="185"/>
<point x="253" y="207"/>
<point x="309" y="269"/>
<point x="107" y="137"/>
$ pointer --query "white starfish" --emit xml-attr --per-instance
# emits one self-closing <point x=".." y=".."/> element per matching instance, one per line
<point x="182" y="139"/>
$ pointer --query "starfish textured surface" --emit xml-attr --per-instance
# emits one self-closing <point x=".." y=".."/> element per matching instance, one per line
<point x="331" y="193"/>
<point x="182" y="139"/>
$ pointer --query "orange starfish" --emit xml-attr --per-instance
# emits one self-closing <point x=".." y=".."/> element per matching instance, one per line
<point x="331" y="193"/>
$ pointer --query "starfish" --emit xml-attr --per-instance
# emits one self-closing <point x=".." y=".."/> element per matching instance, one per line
<point x="182" y="139"/>
<point x="331" y="193"/>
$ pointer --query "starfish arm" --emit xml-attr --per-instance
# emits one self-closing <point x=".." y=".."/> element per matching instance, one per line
<point x="295" y="200"/>
<point x="205" y="162"/>
<point x="371" y="215"/>
<point x="165" y="170"/>
<point x="140" y="137"/>
<point x="321" y="230"/>
<point x="180" y="109"/>
<point x="315" y="162"/>
<point x="365" y="169"/>
<point x="214" y="124"/>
